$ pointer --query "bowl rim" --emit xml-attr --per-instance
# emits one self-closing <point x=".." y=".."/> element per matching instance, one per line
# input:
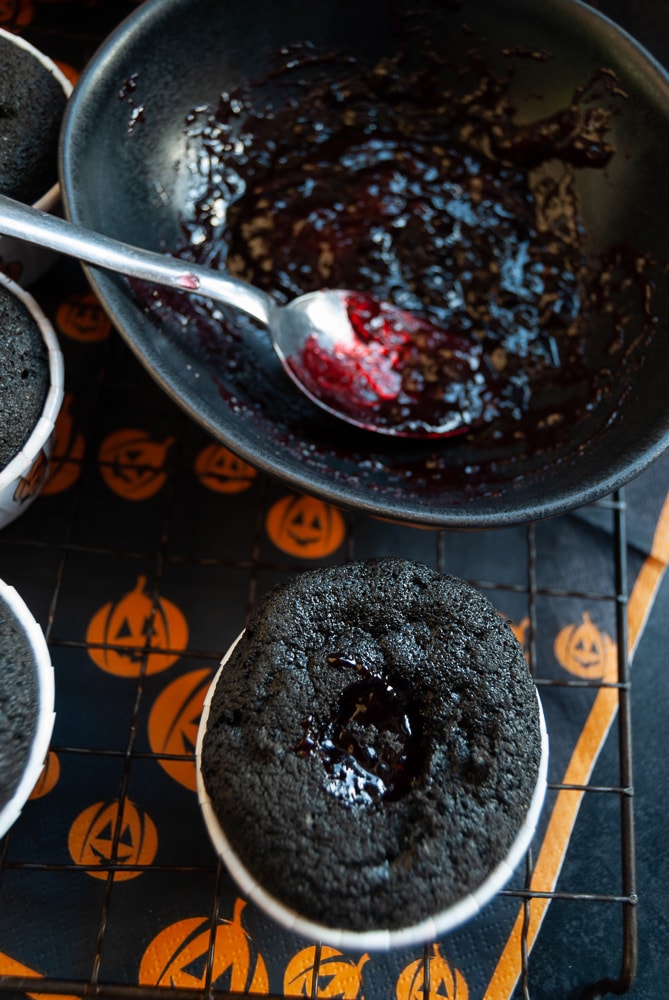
<point x="379" y="939"/>
<point x="500" y="504"/>
<point x="45" y="708"/>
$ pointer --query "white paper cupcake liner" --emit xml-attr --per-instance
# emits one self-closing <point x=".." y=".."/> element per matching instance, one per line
<point x="33" y="261"/>
<point x="39" y="446"/>
<point x="379" y="939"/>
<point x="43" y="710"/>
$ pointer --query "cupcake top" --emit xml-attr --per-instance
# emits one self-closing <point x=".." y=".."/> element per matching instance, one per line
<point x="24" y="375"/>
<point x="373" y="744"/>
<point x="32" y="102"/>
<point x="18" y="702"/>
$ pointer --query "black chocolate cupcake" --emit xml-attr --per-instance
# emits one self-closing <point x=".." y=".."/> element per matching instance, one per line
<point x="372" y="755"/>
<point x="26" y="704"/>
<point x="31" y="394"/>
<point x="32" y="104"/>
<point x="33" y="95"/>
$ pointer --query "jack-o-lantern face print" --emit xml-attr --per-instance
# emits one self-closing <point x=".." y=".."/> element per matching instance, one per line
<point x="48" y="779"/>
<point x="69" y="72"/>
<point x="178" y="956"/>
<point x="445" y="982"/>
<point x="12" y="268"/>
<point x="129" y="634"/>
<point x="336" y="975"/>
<point x="173" y="724"/>
<point x="99" y="838"/>
<point x="81" y="317"/>
<point x="585" y="651"/>
<point x="16" y="13"/>
<point x="68" y="451"/>
<point x="220" y="470"/>
<point x="305" y="526"/>
<point x="132" y="463"/>
<point x="29" y="485"/>
<point x="521" y="631"/>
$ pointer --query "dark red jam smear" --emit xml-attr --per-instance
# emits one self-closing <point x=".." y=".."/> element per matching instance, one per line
<point x="369" y="745"/>
<point x="398" y="372"/>
<point x="419" y="188"/>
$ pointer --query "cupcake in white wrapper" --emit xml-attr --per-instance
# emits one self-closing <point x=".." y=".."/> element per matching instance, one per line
<point x="372" y="755"/>
<point x="31" y="394"/>
<point x="26" y="704"/>
<point x="33" y="96"/>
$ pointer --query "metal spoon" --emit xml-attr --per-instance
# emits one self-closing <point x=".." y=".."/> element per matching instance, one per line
<point x="349" y="353"/>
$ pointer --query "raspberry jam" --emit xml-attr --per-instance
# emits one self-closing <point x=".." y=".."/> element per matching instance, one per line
<point x="419" y="188"/>
<point x="397" y="372"/>
<point x="370" y="744"/>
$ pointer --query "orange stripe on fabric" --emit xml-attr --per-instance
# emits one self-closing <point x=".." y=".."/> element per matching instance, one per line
<point x="567" y="804"/>
<point x="10" y="967"/>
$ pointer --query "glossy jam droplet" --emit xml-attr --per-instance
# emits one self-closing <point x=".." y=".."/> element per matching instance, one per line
<point x="189" y="281"/>
<point x="398" y="372"/>
<point x="421" y="187"/>
<point x="370" y="744"/>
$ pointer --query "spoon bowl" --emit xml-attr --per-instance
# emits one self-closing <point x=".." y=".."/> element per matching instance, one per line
<point x="349" y="353"/>
<point x="368" y="362"/>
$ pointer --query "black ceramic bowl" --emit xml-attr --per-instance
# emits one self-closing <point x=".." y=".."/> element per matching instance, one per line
<point x="128" y="170"/>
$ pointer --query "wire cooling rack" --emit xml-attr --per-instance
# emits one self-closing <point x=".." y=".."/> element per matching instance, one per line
<point x="85" y="536"/>
<point x="66" y="544"/>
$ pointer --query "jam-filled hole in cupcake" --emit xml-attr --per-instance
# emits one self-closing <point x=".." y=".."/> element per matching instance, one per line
<point x="369" y="743"/>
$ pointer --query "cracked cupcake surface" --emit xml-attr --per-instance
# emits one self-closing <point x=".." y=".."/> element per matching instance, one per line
<point x="18" y="702"/>
<point x="373" y="743"/>
<point x="32" y="103"/>
<point x="24" y="375"/>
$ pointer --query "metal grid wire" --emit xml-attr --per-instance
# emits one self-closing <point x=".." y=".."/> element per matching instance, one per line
<point x="619" y="980"/>
<point x="622" y="959"/>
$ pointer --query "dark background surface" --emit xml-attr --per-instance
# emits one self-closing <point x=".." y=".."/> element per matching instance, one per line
<point x="648" y="22"/>
<point x="578" y="943"/>
<point x="575" y="947"/>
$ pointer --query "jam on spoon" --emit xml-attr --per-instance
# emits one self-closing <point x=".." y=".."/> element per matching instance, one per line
<point x="384" y="350"/>
<point x="394" y="372"/>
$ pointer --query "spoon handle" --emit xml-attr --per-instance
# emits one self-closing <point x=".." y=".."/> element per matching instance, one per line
<point x="50" y="231"/>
